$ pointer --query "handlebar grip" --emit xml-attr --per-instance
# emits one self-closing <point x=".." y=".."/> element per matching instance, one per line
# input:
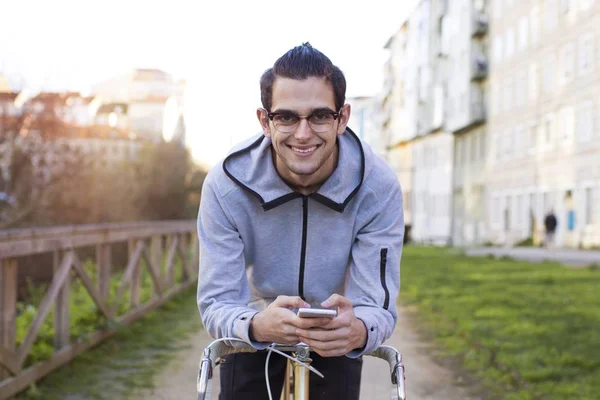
<point x="221" y="349"/>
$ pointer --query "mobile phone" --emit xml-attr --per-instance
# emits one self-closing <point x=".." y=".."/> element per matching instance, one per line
<point x="316" y="313"/>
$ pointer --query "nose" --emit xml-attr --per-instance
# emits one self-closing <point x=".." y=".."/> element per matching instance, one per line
<point x="303" y="132"/>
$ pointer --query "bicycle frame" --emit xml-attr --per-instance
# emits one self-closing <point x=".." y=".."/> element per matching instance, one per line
<point x="217" y="349"/>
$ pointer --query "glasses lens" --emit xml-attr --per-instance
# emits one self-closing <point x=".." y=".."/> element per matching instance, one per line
<point x="321" y="122"/>
<point x="286" y="122"/>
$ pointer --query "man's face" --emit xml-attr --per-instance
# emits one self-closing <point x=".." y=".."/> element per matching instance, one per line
<point x="303" y="156"/>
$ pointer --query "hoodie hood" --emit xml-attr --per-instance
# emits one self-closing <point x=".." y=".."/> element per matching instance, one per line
<point x="251" y="167"/>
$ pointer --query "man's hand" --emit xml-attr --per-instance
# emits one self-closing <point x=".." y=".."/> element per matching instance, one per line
<point x="340" y="335"/>
<point x="278" y="324"/>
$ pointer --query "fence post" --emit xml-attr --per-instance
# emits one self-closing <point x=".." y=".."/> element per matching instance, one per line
<point x="136" y="277"/>
<point x="156" y="256"/>
<point x="103" y="262"/>
<point x="8" y="307"/>
<point x="61" y="307"/>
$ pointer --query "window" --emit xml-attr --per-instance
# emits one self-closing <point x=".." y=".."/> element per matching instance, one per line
<point x="532" y="136"/>
<point x="510" y="42"/>
<point x="585" y="122"/>
<point x="498" y="49"/>
<point x="482" y="144"/>
<point x="535" y="25"/>
<point x="508" y="94"/>
<point x="589" y="206"/>
<point x="566" y="123"/>
<point x="523" y="33"/>
<point x="550" y="15"/>
<point x="565" y="7"/>
<point x="498" y="8"/>
<point x="534" y="81"/>
<point x="548" y="130"/>
<point x="519" y="140"/>
<point x="521" y="88"/>
<point x="585" y="4"/>
<point x="475" y="147"/>
<point x="567" y="63"/>
<point x="586" y="53"/>
<point x="549" y="72"/>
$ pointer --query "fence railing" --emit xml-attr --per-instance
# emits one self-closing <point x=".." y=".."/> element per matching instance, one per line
<point x="167" y="250"/>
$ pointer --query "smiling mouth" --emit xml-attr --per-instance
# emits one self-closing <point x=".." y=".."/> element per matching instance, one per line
<point x="303" y="151"/>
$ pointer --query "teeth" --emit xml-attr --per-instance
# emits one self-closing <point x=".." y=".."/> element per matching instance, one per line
<point x="304" y="151"/>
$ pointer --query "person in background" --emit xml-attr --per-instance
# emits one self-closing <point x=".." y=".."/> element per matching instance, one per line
<point x="550" y="223"/>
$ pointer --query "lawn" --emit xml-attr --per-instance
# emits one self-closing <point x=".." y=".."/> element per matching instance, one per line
<point x="528" y="331"/>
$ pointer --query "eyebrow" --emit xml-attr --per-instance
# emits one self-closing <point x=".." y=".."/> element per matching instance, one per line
<point x="313" y="111"/>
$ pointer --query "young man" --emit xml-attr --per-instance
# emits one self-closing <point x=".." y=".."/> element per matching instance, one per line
<point x="302" y="215"/>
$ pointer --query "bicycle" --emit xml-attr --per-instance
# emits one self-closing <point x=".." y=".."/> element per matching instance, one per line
<point x="297" y="369"/>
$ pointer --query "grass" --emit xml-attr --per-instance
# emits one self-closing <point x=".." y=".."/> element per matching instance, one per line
<point x="129" y="361"/>
<point x="527" y="331"/>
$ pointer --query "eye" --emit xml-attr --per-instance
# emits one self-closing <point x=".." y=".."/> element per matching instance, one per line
<point x="321" y="117"/>
<point x="286" y="119"/>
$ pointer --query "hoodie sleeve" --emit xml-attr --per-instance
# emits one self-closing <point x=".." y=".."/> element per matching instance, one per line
<point x="223" y="292"/>
<point x="374" y="276"/>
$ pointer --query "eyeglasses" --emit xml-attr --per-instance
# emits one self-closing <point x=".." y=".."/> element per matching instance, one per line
<point x="320" y="120"/>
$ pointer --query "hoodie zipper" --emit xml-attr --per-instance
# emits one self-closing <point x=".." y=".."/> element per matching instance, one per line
<point x="303" y="251"/>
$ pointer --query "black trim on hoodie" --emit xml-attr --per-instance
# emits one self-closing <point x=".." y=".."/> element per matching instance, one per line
<point x="303" y="250"/>
<point x="339" y="207"/>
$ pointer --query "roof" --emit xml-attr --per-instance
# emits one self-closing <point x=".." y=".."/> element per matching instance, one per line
<point x="108" y="108"/>
<point x="8" y="96"/>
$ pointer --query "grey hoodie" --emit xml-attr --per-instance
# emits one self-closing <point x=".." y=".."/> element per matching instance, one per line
<point x="260" y="239"/>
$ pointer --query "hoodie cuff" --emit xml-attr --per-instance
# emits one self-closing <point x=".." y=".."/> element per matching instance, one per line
<point x="372" y="334"/>
<point x="241" y="329"/>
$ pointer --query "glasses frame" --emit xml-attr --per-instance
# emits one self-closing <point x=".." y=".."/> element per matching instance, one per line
<point x="334" y="114"/>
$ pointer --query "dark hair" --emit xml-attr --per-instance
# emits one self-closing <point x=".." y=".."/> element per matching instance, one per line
<point x="300" y="63"/>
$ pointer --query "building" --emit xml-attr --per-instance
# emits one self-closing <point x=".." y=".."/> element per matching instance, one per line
<point x="544" y="121"/>
<point x="431" y="145"/>
<point x="365" y="121"/>
<point x="464" y="49"/>
<point x="4" y="86"/>
<point x="148" y="94"/>
<point x="398" y="107"/>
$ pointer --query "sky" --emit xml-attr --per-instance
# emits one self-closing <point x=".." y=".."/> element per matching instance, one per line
<point x="220" y="47"/>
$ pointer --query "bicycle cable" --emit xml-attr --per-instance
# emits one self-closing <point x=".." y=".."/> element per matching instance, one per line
<point x="272" y="349"/>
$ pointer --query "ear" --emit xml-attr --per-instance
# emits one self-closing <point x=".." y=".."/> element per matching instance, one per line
<point x="263" y="118"/>
<point x="343" y="119"/>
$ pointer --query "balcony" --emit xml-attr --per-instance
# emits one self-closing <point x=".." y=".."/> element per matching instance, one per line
<point x="480" y="66"/>
<point x="480" y="24"/>
<point x="478" y="114"/>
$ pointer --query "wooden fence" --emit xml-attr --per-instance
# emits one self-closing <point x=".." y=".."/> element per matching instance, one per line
<point x="161" y="247"/>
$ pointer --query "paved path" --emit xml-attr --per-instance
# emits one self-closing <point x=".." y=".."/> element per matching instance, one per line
<point x="426" y="379"/>
<point x="569" y="257"/>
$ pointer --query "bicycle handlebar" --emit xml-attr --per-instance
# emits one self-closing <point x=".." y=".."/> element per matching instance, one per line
<point x="219" y="348"/>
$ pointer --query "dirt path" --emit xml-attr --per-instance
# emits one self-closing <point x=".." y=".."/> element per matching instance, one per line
<point x="425" y="379"/>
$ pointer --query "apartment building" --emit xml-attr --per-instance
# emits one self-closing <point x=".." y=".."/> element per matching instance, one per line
<point x="397" y="112"/>
<point x="464" y="49"/>
<point x="544" y="120"/>
<point x="432" y="145"/>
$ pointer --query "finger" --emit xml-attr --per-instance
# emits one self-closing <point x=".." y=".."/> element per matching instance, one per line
<point x="336" y="300"/>
<point x="323" y="335"/>
<point x="308" y="323"/>
<point x="290" y="301"/>
<point x="327" y="349"/>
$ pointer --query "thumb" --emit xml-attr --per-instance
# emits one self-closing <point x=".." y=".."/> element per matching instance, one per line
<point x="290" y="301"/>
<point x="336" y="300"/>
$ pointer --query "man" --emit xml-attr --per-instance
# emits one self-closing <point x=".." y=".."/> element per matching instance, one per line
<point x="302" y="215"/>
<point x="550" y="224"/>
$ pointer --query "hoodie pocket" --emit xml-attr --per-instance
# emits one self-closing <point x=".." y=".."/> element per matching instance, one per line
<point x="382" y="267"/>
